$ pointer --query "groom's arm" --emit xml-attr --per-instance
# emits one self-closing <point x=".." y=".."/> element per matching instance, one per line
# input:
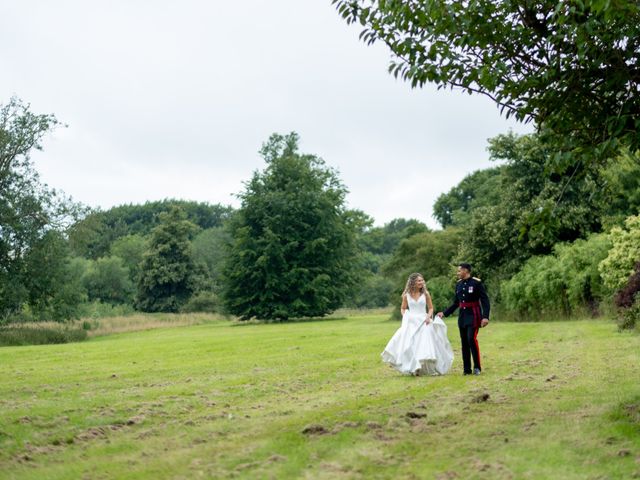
<point x="452" y="308"/>
<point x="484" y="301"/>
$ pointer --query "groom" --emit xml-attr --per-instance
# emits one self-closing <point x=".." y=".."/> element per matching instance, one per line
<point x="474" y="305"/>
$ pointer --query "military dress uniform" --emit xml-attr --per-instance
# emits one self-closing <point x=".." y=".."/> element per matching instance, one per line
<point x="472" y="300"/>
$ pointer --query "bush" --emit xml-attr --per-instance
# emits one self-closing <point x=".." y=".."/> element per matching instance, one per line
<point x="107" y="280"/>
<point x="628" y="318"/>
<point x="372" y="292"/>
<point x="202" y="302"/>
<point x="18" y="335"/>
<point x="628" y="300"/>
<point x="616" y="268"/>
<point x="442" y="290"/>
<point x="104" y="310"/>
<point x="564" y="282"/>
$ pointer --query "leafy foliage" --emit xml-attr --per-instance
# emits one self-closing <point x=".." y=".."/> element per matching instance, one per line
<point x="384" y="240"/>
<point x="18" y="335"/>
<point x="376" y="246"/>
<point x="107" y="280"/>
<point x="168" y="275"/>
<point x="619" y="264"/>
<point x="621" y="182"/>
<point x="95" y="234"/>
<point x="33" y="263"/>
<point x="209" y="248"/>
<point x="626" y="296"/>
<point x="479" y="189"/>
<point x="130" y="249"/>
<point x="628" y="299"/>
<point x="203" y="301"/>
<point x="563" y="282"/>
<point x="536" y="209"/>
<point x="571" y="67"/>
<point x="293" y="244"/>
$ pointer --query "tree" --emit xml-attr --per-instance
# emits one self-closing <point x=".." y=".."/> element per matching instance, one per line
<point x="168" y="274"/>
<point x="93" y="236"/>
<point x="479" y="189"/>
<point x="29" y="211"/>
<point x="621" y="182"/>
<point x="384" y="240"/>
<point x="209" y="248"/>
<point x="293" y="243"/>
<point x="571" y="67"/>
<point x="53" y="290"/>
<point x="107" y="280"/>
<point x="130" y="249"/>
<point x="537" y="208"/>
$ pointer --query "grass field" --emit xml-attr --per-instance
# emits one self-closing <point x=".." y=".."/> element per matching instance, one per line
<point x="558" y="400"/>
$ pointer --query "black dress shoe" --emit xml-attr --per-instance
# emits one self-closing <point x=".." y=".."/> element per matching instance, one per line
<point x="466" y="373"/>
<point x="477" y="371"/>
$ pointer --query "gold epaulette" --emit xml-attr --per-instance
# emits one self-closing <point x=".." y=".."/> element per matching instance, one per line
<point x="476" y="278"/>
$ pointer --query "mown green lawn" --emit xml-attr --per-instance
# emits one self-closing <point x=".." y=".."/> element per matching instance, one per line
<point x="557" y="400"/>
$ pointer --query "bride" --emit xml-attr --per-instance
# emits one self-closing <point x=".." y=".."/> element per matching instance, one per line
<point x="420" y="346"/>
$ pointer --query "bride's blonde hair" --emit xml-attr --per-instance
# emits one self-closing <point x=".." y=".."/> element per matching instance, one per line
<point x="411" y="284"/>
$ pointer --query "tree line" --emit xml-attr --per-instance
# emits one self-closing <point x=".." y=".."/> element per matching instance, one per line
<point x="292" y="250"/>
<point x="544" y="243"/>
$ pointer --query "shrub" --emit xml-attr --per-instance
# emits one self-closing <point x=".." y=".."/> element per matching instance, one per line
<point x="442" y="290"/>
<point x="628" y="318"/>
<point x="616" y="268"/>
<point x="564" y="282"/>
<point x="107" y="280"/>
<point x="202" y="302"/>
<point x="628" y="300"/>
<point x="104" y="310"/>
<point x="17" y="335"/>
<point x="373" y="291"/>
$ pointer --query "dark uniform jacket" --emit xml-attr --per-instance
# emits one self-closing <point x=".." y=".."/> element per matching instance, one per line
<point x="469" y="290"/>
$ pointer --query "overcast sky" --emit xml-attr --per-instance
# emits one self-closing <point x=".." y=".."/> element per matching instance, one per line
<point x="173" y="99"/>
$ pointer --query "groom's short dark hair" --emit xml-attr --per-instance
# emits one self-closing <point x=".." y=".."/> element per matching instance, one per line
<point x="465" y="265"/>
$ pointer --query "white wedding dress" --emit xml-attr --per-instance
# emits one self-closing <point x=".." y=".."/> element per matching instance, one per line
<point x="417" y="348"/>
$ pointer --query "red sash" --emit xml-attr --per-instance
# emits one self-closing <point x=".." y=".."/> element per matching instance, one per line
<point x="477" y="314"/>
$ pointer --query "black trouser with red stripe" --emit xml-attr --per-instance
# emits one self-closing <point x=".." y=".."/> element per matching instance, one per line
<point x="469" y="339"/>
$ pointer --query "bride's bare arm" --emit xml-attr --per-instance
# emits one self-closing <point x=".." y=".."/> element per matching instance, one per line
<point x="429" y="304"/>
<point x="403" y="307"/>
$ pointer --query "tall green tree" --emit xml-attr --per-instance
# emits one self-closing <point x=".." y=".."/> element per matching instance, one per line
<point x="478" y="189"/>
<point x="29" y="210"/>
<point x="53" y="290"/>
<point x="168" y="274"/>
<point x="293" y="243"/>
<point x="571" y="67"/>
